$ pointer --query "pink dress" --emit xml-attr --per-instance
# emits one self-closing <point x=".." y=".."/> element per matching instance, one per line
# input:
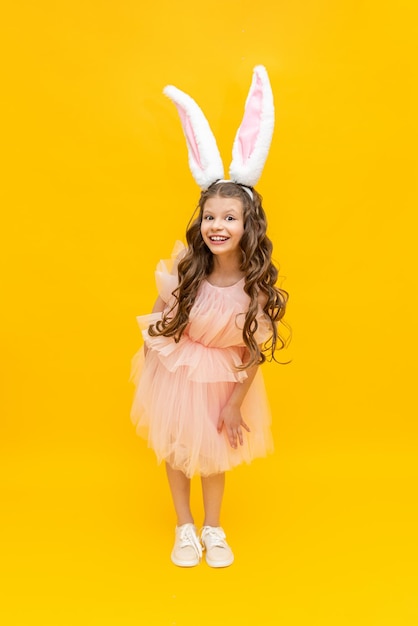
<point x="182" y="387"/>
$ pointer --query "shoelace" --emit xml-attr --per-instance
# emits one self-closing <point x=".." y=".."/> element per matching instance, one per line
<point x="213" y="537"/>
<point x="188" y="537"/>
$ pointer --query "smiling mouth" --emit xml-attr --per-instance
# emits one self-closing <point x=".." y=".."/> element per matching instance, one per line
<point x="217" y="238"/>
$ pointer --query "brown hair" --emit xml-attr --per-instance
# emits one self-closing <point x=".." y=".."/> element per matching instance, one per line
<point x="260" y="274"/>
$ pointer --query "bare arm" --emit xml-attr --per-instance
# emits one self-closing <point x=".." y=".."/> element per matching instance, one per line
<point x="230" y="416"/>
<point x="159" y="305"/>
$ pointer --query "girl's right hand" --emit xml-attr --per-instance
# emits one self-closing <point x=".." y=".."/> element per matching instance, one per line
<point x="231" y="419"/>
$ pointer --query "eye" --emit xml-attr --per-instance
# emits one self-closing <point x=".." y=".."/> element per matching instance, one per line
<point x="208" y="217"/>
<point x="230" y="218"/>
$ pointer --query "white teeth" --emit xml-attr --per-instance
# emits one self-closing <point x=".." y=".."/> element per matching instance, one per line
<point x="218" y="238"/>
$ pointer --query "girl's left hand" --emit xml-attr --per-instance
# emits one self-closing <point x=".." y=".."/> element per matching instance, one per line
<point x="231" y="418"/>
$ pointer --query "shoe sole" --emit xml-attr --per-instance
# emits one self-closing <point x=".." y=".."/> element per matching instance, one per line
<point x="219" y="563"/>
<point x="184" y="563"/>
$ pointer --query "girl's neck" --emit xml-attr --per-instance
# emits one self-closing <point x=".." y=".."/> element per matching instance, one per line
<point x="226" y="271"/>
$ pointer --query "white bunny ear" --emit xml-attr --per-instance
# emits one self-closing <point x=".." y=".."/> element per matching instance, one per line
<point x="253" y="138"/>
<point x="204" y="159"/>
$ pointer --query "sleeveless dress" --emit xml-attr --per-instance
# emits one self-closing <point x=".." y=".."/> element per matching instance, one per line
<point x="182" y="387"/>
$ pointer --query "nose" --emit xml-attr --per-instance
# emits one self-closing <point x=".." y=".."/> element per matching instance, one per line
<point x="216" y="224"/>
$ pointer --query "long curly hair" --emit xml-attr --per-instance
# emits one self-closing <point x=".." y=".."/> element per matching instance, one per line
<point x="260" y="275"/>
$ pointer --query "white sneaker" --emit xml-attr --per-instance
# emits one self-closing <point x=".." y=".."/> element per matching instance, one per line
<point x="187" y="550"/>
<point x="218" y="552"/>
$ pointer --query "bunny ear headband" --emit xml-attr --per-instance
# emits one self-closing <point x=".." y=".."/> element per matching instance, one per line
<point x="251" y="143"/>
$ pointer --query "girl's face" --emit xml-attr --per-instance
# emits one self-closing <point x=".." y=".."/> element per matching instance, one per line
<point x="223" y="225"/>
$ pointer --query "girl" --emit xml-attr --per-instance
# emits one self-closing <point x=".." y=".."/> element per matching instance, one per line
<point x="200" y="399"/>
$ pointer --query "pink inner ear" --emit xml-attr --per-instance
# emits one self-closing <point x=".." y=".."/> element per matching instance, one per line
<point x="190" y="136"/>
<point x="250" y="126"/>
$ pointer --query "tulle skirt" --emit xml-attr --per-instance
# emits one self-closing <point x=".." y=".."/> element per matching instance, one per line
<point x="179" y="396"/>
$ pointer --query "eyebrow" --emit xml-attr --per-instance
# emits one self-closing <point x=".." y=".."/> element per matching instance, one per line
<point x="226" y="212"/>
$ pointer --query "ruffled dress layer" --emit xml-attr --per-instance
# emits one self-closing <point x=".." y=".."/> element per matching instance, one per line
<point x="182" y="387"/>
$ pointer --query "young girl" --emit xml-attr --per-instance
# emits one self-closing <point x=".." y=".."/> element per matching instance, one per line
<point x="200" y="399"/>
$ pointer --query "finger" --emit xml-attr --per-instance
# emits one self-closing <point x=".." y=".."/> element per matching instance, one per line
<point x="232" y="436"/>
<point x="240" y="437"/>
<point x="244" y="425"/>
<point x="220" y="425"/>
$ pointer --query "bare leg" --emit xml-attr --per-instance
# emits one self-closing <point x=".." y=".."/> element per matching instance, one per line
<point x="213" y="491"/>
<point x="180" y="492"/>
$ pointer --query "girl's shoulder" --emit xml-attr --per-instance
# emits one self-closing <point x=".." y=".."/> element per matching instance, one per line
<point x="262" y="299"/>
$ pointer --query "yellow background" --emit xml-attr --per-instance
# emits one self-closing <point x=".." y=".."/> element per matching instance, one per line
<point x="95" y="188"/>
